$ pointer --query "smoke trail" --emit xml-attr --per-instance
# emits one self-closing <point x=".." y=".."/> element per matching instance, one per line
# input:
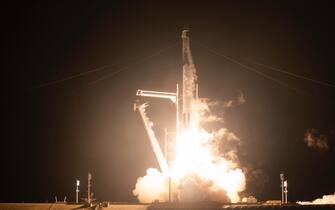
<point x="326" y="199"/>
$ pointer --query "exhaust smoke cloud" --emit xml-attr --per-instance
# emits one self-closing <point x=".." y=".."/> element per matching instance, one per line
<point x="315" y="140"/>
<point x="326" y="199"/>
<point x="238" y="101"/>
<point x="205" y="166"/>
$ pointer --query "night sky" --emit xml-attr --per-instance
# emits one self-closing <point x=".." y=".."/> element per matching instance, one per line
<point x="57" y="132"/>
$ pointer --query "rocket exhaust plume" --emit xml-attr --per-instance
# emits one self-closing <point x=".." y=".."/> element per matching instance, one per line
<point x="199" y="170"/>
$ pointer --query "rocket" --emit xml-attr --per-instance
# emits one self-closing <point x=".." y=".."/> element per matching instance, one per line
<point x="186" y="99"/>
<point x="189" y="81"/>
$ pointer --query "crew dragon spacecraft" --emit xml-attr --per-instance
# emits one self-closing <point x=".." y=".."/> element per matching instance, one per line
<point x="185" y="100"/>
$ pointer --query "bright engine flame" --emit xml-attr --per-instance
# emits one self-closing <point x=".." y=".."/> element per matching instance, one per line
<point x="199" y="171"/>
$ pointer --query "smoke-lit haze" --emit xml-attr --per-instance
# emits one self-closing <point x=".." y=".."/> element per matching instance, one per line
<point x="315" y="140"/>
<point x="326" y="199"/>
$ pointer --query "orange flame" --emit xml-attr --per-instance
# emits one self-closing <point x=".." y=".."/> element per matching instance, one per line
<point x="197" y="165"/>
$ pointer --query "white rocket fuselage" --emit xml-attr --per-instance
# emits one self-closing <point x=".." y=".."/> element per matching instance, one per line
<point x="189" y="82"/>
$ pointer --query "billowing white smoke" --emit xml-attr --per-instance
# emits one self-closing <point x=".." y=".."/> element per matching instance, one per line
<point x="153" y="186"/>
<point x="326" y="199"/>
<point x="238" y="101"/>
<point x="205" y="167"/>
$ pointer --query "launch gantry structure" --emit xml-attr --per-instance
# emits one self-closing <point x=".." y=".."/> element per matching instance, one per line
<point x="189" y="95"/>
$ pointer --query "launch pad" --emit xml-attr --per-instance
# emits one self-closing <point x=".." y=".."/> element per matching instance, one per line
<point x="163" y="206"/>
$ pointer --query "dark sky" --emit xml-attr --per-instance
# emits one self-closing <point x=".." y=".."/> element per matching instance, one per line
<point x="57" y="133"/>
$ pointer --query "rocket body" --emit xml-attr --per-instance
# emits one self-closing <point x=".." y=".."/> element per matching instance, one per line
<point x="189" y="82"/>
